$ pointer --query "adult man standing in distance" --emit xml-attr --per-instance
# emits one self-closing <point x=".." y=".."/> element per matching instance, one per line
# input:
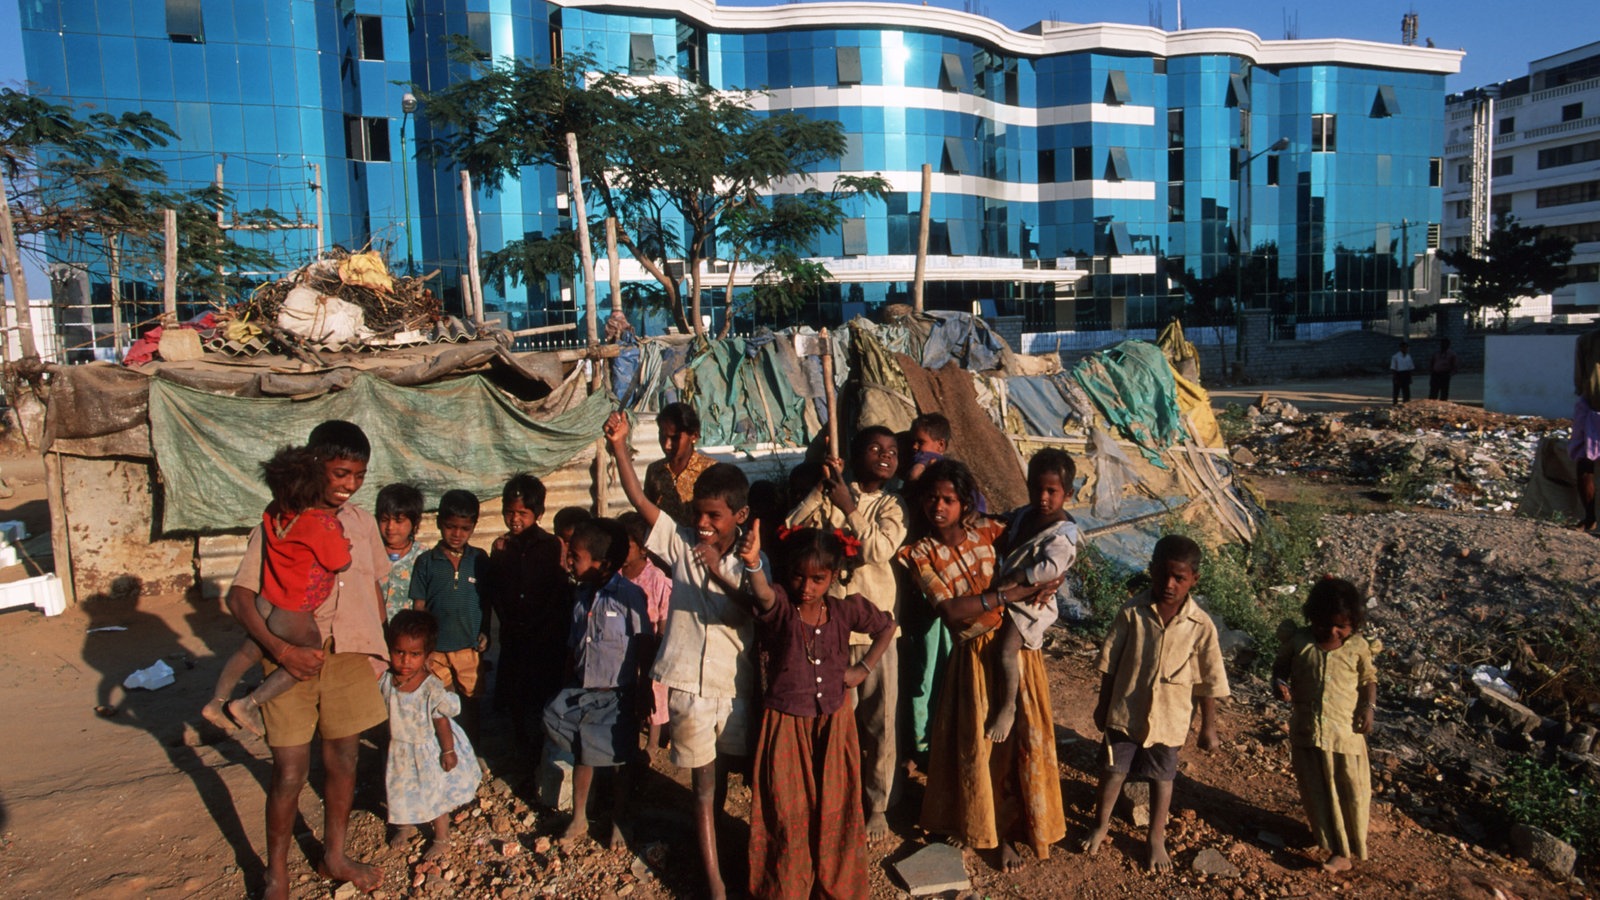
<point x="337" y="694"/>
<point x="1585" y="445"/>
<point x="1445" y="363"/>
<point x="1401" y="367"/>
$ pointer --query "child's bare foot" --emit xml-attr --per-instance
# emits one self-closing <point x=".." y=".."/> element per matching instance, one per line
<point x="366" y="878"/>
<point x="1160" y="862"/>
<point x="877" y="826"/>
<point x="1091" y="843"/>
<point x="245" y="711"/>
<point x="577" y="830"/>
<point x="955" y="842"/>
<point x="436" y="848"/>
<point x="402" y="837"/>
<point x="1009" y="860"/>
<point x="1337" y="864"/>
<point x="621" y="834"/>
<point x="215" y="713"/>
<point x="1000" y="721"/>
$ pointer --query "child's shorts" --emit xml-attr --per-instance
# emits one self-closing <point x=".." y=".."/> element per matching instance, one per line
<point x="458" y="669"/>
<point x="704" y="727"/>
<point x="1032" y="621"/>
<point x="590" y="725"/>
<point x="1124" y="754"/>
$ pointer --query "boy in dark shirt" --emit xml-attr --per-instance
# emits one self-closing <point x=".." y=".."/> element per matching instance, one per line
<point x="529" y="590"/>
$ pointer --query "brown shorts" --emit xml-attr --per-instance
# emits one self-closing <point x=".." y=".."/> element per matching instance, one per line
<point x="457" y="667"/>
<point x="340" y="701"/>
<point x="1157" y="763"/>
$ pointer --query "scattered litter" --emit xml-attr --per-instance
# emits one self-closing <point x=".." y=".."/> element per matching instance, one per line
<point x="153" y="677"/>
<point x="108" y="628"/>
<point x="1492" y="677"/>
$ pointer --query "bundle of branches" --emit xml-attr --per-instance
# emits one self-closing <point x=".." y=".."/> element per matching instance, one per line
<point x="406" y="305"/>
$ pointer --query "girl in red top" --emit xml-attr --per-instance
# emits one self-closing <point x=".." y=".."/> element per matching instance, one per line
<point x="807" y="833"/>
<point x="304" y="548"/>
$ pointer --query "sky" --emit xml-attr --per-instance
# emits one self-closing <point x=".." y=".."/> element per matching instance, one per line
<point x="1500" y="39"/>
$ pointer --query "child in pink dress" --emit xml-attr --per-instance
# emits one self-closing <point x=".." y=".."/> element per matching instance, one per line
<point x="657" y="587"/>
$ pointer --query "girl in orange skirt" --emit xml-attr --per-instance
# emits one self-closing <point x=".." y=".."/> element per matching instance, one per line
<point x="807" y="833"/>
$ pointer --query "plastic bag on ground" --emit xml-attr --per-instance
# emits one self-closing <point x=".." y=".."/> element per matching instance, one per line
<point x="153" y="677"/>
<point x="1113" y="472"/>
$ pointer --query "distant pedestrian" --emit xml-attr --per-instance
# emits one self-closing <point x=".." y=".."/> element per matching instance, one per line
<point x="1445" y="363"/>
<point x="1400" y="367"/>
<point x="1585" y="445"/>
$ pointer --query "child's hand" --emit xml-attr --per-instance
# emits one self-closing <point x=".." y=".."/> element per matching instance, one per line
<point x="1363" y="723"/>
<point x="483" y="643"/>
<point x="750" y="546"/>
<point x="499" y="543"/>
<point x="1281" y="688"/>
<point x="1208" y="738"/>
<point x="1045" y="593"/>
<point x="916" y="471"/>
<point x="1100" y="713"/>
<point x="616" y="431"/>
<point x="447" y="759"/>
<point x="706" y="554"/>
<point x="854" y="675"/>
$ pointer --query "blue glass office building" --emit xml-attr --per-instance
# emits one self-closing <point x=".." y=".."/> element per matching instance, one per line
<point x="1076" y="168"/>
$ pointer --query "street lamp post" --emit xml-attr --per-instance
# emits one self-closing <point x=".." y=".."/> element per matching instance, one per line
<point x="1243" y="237"/>
<point x="408" y="105"/>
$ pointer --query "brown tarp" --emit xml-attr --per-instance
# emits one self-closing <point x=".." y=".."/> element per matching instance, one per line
<point x="974" y="438"/>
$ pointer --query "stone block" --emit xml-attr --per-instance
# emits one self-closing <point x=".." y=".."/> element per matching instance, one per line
<point x="1543" y="849"/>
<point x="934" y="869"/>
<point x="1138" y="794"/>
<point x="1514" y="714"/>
<point x="1210" y="861"/>
<point x="555" y="779"/>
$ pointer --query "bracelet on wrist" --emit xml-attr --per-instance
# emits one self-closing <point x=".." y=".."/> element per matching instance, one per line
<point x="1002" y="596"/>
<point x="755" y="568"/>
<point x="983" y="599"/>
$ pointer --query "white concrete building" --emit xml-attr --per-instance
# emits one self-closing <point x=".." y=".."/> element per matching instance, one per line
<point x="1531" y="147"/>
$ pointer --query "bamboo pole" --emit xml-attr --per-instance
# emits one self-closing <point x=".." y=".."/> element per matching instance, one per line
<point x="614" y="263"/>
<point x="169" y="275"/>
<point x="590" y="315"/>
<point x="828" y="393"/>
<point x="474" y="299"/>
<point x="114" y="246"/>
<point x="922" y="239"/>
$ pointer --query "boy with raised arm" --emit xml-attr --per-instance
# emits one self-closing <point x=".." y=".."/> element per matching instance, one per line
<point x="710" y="678"/>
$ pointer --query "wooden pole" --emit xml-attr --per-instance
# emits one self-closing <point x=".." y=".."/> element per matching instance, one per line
<point x="114" y="247"/>
<point x="316" y="195"/>
<point x="473" y="302"/>
<point x="591" y="315"/>
<point x="60" y="535"/>
<point x="828" y="393"/>
<point x="11" y="258"/>
<point x="614" y="263"/>
<point x="922" y="239"/>
<point x="169" y="276"/>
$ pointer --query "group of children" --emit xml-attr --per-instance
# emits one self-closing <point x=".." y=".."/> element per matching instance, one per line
<point x="656" y="618"/>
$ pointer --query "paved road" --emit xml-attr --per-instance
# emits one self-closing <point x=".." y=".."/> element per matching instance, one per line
<point x="1345" y="394"/>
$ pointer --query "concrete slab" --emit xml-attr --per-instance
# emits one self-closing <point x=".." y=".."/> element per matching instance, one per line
<point x="934" y="869"/>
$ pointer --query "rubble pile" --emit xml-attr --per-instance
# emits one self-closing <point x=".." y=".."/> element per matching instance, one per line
<point x="1428" y="453"/>
<point x="340" y="299"/>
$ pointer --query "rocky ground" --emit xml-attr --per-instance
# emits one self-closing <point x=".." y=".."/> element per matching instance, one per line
<point x="145" y="803"/>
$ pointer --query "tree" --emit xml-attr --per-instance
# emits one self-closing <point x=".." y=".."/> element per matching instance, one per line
<point x="1518" y="261"/>
<point x="677" y="163"/>
<point x="85" y="181"/>
<point x="1217" y="299"/>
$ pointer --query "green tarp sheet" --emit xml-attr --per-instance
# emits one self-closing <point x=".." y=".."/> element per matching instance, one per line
<point x="462" y="433"/>
<point x="746" y="394"/>
<point x="1131" y="384"/>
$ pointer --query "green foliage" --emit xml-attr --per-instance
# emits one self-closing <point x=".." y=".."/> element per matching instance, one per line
<point x="1233" y="423"/>
<point x="1518" y="261"/>
<point x="1102" y="586"/>
<point x="85" y="180"/>
<point x="1548" y="798"/>
<point x="674" y="161"/>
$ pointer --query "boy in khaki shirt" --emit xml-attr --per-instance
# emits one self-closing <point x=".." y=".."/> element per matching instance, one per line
<point x="1161" y="656"/>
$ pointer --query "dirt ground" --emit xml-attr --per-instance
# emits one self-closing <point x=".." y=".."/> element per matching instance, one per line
<point x="145" y="803"/>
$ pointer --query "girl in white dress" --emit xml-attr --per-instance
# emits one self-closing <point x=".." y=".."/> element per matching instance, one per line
<point x="432" y="769"/>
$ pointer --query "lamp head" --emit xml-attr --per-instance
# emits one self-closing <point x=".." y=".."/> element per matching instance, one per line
<point x="408" y="103"/>
<point x="1279" y="144"/>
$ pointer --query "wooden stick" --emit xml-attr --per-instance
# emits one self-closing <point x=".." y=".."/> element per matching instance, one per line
<point x="473" y="302"/>
<point x="169" y="277"/>
<point x="544" y="329"/>
<point x="828" y="393"/>
<point x="921" y="273"/>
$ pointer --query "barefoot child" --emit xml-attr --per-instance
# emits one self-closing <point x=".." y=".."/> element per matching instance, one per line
<point x="657" y="588"/>
<point x="864" y="508"/>
<point x="431" y="769"/>
<point x="304" y="547"/>
<point x="445" y="585"/>
<point x="1043" y="542"/>
<point x="710" y="678"/>
<point x="1326" y="671"/>
<point x="595" y="718"/>
<point x="1159" y="659"/>
<point x="399" y="512"/>
<point x="807" y="835"/>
